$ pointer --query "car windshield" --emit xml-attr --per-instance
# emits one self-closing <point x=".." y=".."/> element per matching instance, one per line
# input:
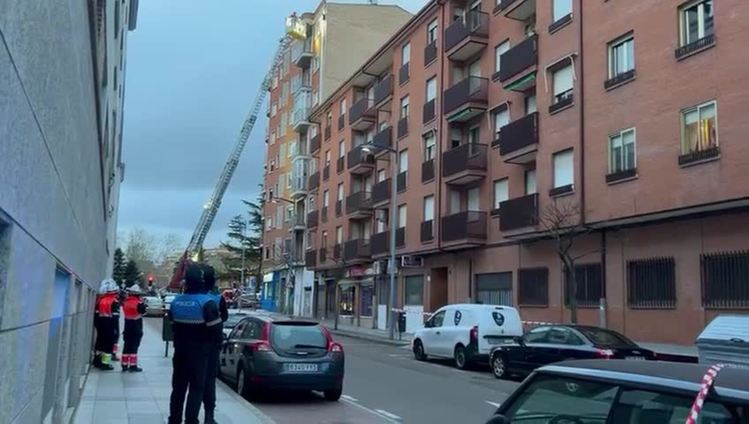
<point x="605" y="338"/>
<point x="288" y="336"/>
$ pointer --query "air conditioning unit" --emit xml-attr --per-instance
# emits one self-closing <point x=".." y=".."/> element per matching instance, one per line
<point x="408" y="261"/>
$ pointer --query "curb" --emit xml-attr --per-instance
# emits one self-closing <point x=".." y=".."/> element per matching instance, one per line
<point x="374" y="339"/>
<point x="258" y="416"/>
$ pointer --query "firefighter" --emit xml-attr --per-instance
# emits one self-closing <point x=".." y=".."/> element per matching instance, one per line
<point x="209" y="396"/>
<point x="194" y="317"/>
<point x="106" y="322"/>
<point x="134" y="307"/>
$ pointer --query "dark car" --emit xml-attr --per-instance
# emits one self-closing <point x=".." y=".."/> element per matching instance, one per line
<point x="549" y="344"/>
<point x="272" y="352"/>
<point x="625" y="392"/>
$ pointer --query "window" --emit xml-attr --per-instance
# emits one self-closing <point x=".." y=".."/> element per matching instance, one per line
<point x="563" y="169"/>
<point x="533" y="287"/>
<point x="404" y="107"/>
<point x="530" y="104"/>
<point x="431" y="89"/>
<point x="501" y="118"/>
<point x="621" y="56"/>
<point x="327" y="157"/>
<point x="268" y="222"/>
<point x="325" y="199"/>
<point x="289" y="213"/>
<point x="494" y="288"/>
<point x="498" y="52"/>
<point x="341" y="149"/>
<point x="339" y="234"/>
<point x="622" y="151"/>
<point x="403" y="160"/>
<point x="273" y="110"/>
<point x="339" y="195"/>
<point x="589" y="289"/>
<point x="530" y="181"/>
<point x="649" y="407"/>
<point x="437" y="319"/>
<point x="430" y="145"/>
<point x="414" y="290"/>
<point x="501" y="192"/>
<point x="651" y="283"/>
<point x="324" y="239"/>
<point x="474" y="135"/>
<point x="402" y="216"/>
<point x="406" y="53"/>
<point x="563" y="336"/>
<point x="562" y="8"/>
<point x="342" y="107"/>
<point x="699" y="128"/>
<point x="724" y="279"/>
<point x="429" y="208"/>
<point x="562" y="80"/>
<point x="432" y="32"/>
<point x="367" y="298"/>
<point x="537" y="335"/>
<point x="696" y="21"/>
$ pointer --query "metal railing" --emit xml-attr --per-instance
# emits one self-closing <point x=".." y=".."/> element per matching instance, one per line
<point x="469" y="156"/>
<point x="519" y="212"/>
<point x="469" y="90"/>
<point x="476" y="23"/>
<point x="518" y="58"/>
<point x="463" y="225"/>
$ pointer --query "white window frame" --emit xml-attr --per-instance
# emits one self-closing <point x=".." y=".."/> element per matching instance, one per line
<point x="530" y="106"/>
<point x="531" y="186"/>
<point x="430" y="147"/>
<point x="499" y="50"/>
<point x="563" y="177"/>
<point x="683" y="24"/>
<point x="560" y="91"/>
<point x="497" y="123"/>
<point x="612" y="141"/>
<point x="341" y="149"/>
<point x="403" y="161"/>
<point x="431" y="94"/>
<point x="557" y="12"/>
<point x="405" y="105"/>
<point x="428" y="208"/>
<point x="615" y="68"/>
<point x="406" y="53"/>
<point x="698" y="108"/>
<point x="501" y="191"/>
<point x="339" y="193"/>
<point x="402" y="215"/>
<point x="326" y="199"/>
<point x="432" y="31"/>
<point x="339" y="234"/>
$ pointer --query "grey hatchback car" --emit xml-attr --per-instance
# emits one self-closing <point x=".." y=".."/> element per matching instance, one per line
<point x="266" y="352"/>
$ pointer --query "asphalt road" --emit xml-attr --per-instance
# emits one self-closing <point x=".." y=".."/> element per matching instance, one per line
<point x="384" y="384"/>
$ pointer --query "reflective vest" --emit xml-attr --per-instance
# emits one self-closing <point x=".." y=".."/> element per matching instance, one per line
<point x="106" y="302"/>
<point x="130" y="307"/>
<point x="188" y="308"/>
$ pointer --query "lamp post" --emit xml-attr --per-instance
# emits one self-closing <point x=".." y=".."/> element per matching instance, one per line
<point x="368" y="148"/>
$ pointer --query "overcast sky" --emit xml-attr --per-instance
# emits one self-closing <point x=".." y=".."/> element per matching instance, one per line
<point x="193" y="70"/>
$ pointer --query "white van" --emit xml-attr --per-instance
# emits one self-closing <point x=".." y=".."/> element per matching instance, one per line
<point x="466" y="332"/>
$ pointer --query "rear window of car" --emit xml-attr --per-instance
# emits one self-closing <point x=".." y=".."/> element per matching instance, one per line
<point x="605" y="338"/>
<point x="233" y="320"/>
<point x="287" y="336"/>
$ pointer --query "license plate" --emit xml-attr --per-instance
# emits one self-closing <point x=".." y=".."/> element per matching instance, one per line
<point x="300" y="367"/>
<point x="635" y="358"/>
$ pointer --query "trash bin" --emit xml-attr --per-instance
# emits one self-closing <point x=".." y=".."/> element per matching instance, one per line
<point x="725" y="340"/>
<point x="401" y="322"/>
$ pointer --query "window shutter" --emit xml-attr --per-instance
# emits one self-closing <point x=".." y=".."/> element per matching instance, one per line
<point x="563" y="169"/>
<point x="563" y="80"/>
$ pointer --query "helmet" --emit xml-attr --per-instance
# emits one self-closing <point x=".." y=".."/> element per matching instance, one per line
<point x="134" y="289"/>
<point x="108" y="286"/>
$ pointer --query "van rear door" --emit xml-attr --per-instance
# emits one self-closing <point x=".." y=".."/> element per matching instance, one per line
<point x="498" y="325"/>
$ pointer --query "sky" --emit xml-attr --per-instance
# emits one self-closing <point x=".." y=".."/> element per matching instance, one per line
<point x="193" y="71"/>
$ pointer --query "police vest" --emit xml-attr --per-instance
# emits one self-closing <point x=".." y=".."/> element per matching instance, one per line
<point x="188" y="308"/>
<point x="130" y="307"/>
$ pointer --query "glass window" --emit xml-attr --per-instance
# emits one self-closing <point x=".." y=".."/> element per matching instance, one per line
<point x="622" y="151"/>
<point x="251" y="330"/>
<point x="537" y="335"/>
<point x="697" y="21"/>
<point x="327" y="157"/>
<point x="530" y="104"/>
<point x="339" y="235"/>
<point x="474" y="134"/>
<point x="325" y="199"/>
<point x="437" y="319"/>
<point x="402" y="216"/>
<point x="347" y="301"/>
<point x="501" y="118"/>
<point x="406" y="53"/>
<point x="605" y="338"/>
<point x="621" y="56"/>
<point x="414" y="290"/>
<point x="404" y="107"/>
<point x="432" y="32"/>
<point x="431" y="89"/>
<point x="563" y="168"/>
<point x="339" y="195"/>
<point x="429" y="208"/>
<point x="561" y="335"/>
<point x="650" y="407"/>
<point x="341" y="149"/>
<point x="699" y="128"/>
<point x="367" y="298"/>
<point x="403" y="161"/>
<point x="285" y="336"/>
<point x="562" y="8"/>
<point x="498" y="52"/>
<point x="562" y="79"/>
<point x="501" y="192"/>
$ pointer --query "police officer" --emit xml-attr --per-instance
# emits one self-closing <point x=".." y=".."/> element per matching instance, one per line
<point x="107" y="323"/>
<point x="194" y="317"/>
<point x="209" y="396"/>
<point x="134" y="307"/>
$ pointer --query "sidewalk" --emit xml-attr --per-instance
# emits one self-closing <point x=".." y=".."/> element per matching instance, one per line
<point x="113" y="397"/>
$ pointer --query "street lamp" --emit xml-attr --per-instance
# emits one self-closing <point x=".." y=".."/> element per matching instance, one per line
<point x="369" y="148"/>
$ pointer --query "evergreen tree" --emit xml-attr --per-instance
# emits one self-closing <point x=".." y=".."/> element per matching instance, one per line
<point x="118" y="274"/>
<point x="132" y="273"/>
<point x="245" y="233"/>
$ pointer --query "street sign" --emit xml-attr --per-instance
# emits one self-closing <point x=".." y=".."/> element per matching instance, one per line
<point x="412" y="261"/>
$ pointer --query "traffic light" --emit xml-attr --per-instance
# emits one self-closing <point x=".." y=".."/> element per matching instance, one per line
<point x="150" y="280"/>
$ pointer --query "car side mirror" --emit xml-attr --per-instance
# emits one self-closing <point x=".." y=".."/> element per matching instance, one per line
<point x="498" y="419"/>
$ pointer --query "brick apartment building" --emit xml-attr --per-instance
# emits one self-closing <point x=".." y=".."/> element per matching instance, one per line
<point x="503" y="113"/>
<point x="330" y="44"/>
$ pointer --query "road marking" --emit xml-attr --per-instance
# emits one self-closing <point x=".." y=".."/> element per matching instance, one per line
<point x="351" y="398"/>
<point x="389" y="415"/>
<point x="494" y="404"/>
<point x="372" y="411"/>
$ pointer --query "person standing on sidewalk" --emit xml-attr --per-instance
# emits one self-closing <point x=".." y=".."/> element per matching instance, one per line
<point x="107" y="323"/>
<point x="217" y="334"/>
<point x="134" y="307"/>
<point x="194" y="316"/>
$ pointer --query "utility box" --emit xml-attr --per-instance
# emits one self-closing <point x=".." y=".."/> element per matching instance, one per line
<point x="725" y="340"/>
<point x="166" y="329"/>
<point x="401" y="322"/>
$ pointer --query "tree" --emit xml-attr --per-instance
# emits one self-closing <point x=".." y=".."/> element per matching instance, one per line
<point x="132" y="273"/>
<point x="118" y="273"/>
<point x="141" y="248"/>
<point x="245" y="233"/>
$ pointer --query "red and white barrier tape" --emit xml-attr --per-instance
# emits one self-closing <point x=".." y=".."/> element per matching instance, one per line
<point x="707" y="382"/>
<point x="538" y="323"/>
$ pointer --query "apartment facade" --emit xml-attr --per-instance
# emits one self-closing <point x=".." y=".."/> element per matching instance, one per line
<point x="60" y="171"/>
<point x="329" y="44"/>
<point x="519" y="129"/>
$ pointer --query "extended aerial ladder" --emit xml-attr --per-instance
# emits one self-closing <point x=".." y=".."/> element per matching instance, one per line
<point x="210" y="209"/>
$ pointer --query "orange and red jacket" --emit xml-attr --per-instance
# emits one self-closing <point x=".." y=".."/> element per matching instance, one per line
<point x="134" y="307"/>
<point x="108" y="306"/>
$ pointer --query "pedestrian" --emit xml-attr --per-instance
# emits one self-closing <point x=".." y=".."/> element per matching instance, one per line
<point x="134" y="307"/>
<point x="194" y="316"/>
<point x="209" y="396"/>
<point x="107" y="324"/>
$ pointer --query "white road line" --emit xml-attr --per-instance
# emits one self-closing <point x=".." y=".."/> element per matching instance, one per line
<point x="389" y="415"/>
<point x="372" y="411"/>
<point x="494" y="404"/>
<point x="352" y="399"/>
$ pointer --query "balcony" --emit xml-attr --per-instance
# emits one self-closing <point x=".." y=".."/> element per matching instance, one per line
<point x="464" y="164"/>
<point x="298" y="223"/>
<point x="428" y="112"/>
<point x="299" y="187"/>
<point x="514" y="62"/>
<point x="302" y="108"/>
<point x="379" y="243"/>
<point x="520" y="212"/>
<point x="381" y="193"/>
<point x="401" y="181"/>
<point x="310" y="259"/>
<point x="403" y="127"/>
<point x="313" y="219"/>
<point x="362" y="114"/>
<point x="357" y="251"/>
<point x="337" y="251"/>
<point x="430" y="53"/>
<point x="340" y="164"/>
<point x="323" y="255"/>
<point x="466" y="99"/>
<point x="518" y="140"/>
<point x="383" y="138"/>
<point x="697" y="46"/>
<point x="359" y="205"/>
<point x="314" y="181"/>
<point x="519" y="10"/>
<point x="463" y="230"/>
<point x="427" y="171"/>
<point x="360" y="162"/>
<point x="427" y="231"/>
<point x="383" y="92"/>
<point x="466" y="38"/>
<point x="314" y="144"/>
<point x="301" y="53"/>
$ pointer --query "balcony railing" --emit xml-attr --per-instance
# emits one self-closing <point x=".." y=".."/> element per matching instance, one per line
<point x="466" y="37"/>
<point x="403" y="73"/>
<point x="314" y="181"/>
<point x="338" y="208"/>
<point x="519" y="212"/>
<point x="427" y="231"/>
<point x="428" y="111"/>
<point x="520" y="57"/>
<point x="301" y="53"/>
<point x="699" y="45"/>
<point x="401" y="181"/>
<point x="310" y="259"/>
<point x="341" y="121"/>
<point x="430" y="53"/>
<point x="381" y="192"/>
<point x="519" y="135"/>
<point x="323" y="255"/>
<point x="383" y="90"/>
<point x="379" y="243"/>
<point x="324" y="214"/>
<point x="340" y="164"/>
<point x="314" y="143"/>
<point x="383" y="138"/>
<point x="427" y="171"/>
<point x="464" y="226"/>
<point x="403" y="127"/>
<point x="470" y="91"/>
<point x="299" y="186"/>
<point x="358" y="160"/>
<point x="356" y="250"/>
<point x="298" y="221"/>
<point x="362" y="114"/>
<point x="313" y="219"/>
<point x="337" y="248"/>
<point x="300" y="118"/>
<point x="359" y="203"/>
<point x="400" y="236"/>
<point x="327" y="132"/>
<point x="326" y="173"/>
<point x="469" y="157"/>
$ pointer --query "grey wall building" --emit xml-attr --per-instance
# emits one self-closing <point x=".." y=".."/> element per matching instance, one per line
<point x="62" y="66"/>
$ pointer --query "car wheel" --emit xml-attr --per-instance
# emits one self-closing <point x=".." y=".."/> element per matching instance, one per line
<point x="499" y="367"/>
<point x="419" y="351"/>
<point x="243" y="384"/>
<point x="333" y="395"/>
<point x="461" y="361"/>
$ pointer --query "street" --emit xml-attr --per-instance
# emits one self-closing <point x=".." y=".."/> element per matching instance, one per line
<point x="385" y="384"/>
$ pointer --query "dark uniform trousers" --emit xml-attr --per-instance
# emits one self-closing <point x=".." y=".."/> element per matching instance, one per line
<point x="190" y="370"/>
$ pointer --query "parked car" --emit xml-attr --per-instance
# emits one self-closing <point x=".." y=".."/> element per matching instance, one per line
<point x="272" y="352"/>
<point x="168" y="298"/>
<point x="549" y="344"/>
<point x="625" y="392"/>
<point x="154" y="306"/>
<point x="466" y="332"/>
<point x="234" y="318"/>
